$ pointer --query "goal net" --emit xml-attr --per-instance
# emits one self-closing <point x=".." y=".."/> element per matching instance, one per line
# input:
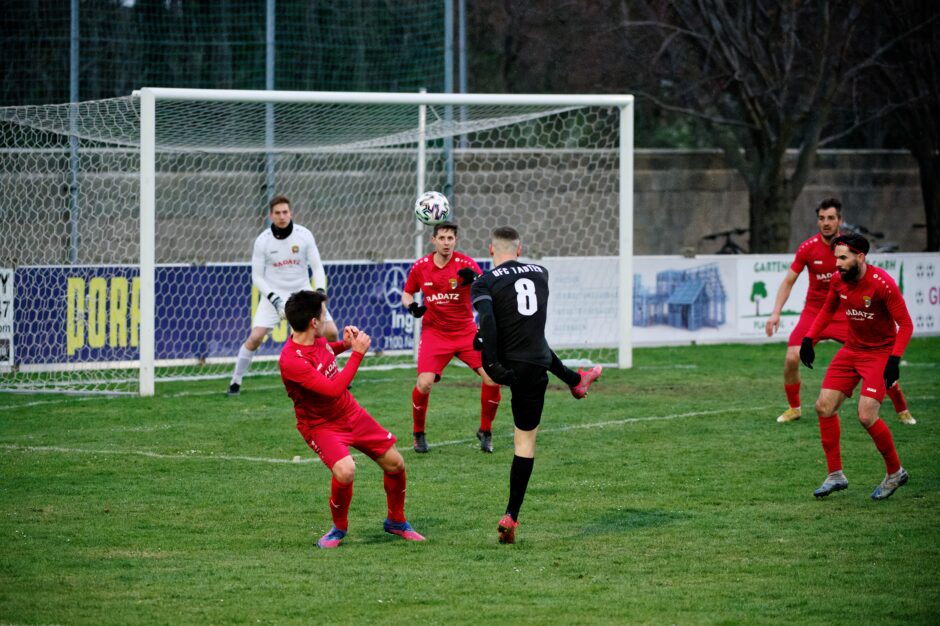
<point x="126" y="224"/>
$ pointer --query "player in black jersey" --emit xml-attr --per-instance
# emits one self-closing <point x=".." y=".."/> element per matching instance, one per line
<point x="512" y="300"/>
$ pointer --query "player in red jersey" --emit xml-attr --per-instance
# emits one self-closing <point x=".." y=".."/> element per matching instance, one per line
<point x="815" y="255"/>
<point x="879" y="329"/>
<point x="329" y="418"/>
<point x="447" y="329"/>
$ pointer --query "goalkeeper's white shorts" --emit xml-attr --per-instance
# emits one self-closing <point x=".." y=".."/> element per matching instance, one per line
<point x="266" y="315"/>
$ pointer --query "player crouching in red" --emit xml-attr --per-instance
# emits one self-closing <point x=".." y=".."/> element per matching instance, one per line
<point x="879" y="329"/>
<point x="329" y="418"/>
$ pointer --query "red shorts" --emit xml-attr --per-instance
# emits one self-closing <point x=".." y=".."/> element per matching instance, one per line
<point x="837" y="329"/>
<point x="331" y="441"/>
<point x="435" y="350"/>
<point x="850" y="365"/>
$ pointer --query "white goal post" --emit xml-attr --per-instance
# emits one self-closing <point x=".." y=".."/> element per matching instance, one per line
<point x="168" y="189"/>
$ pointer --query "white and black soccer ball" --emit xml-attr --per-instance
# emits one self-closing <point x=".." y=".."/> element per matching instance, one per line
<point x="432" y="208"/>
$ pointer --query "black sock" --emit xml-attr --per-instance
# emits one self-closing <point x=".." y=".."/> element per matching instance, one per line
<point x="567" y="376"/>
<point x="519" y="474"/>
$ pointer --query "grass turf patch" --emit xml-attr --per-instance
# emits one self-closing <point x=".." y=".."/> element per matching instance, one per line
<point x="670" y="494"/>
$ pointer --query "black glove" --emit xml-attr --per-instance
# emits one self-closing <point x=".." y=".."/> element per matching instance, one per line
<point x="467" y="276"/>
<point x="478" y="341"/>
<point x="807" y="353"/>
<point x="500" y="374"/>
<point x="417" y="309"/>
<point x="278" y="304"/>
<point x="892" y="371"/>
<point x="321" y="291"/>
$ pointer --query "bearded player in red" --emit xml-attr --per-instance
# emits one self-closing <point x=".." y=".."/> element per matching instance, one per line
<point x="815" y="255"/>
<point x="329" y="418"/>
<point x="447" y="329"/>
<point x="880" y="328"/>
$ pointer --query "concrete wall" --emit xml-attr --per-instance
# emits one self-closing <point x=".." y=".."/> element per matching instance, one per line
<point x="681" y="196"/>
<point x="211" y="208"/>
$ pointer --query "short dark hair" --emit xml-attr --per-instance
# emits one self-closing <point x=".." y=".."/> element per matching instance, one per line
<point x="303" y="306"/>
<point x="278" y="199"/>
<point x="853" y="241"/>
<point x="445" y="226"/>
<point x="830" y="203"/>
<point x="506" y="233"/>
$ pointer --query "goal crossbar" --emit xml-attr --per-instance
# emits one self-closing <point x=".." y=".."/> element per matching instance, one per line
<point x="355" y="97"/>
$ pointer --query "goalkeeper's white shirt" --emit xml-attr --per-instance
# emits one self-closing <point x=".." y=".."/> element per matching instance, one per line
<point x="280" y="265"/>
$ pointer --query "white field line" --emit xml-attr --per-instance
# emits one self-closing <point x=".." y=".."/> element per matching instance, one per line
<point x="148" y="454"/>
<point x="181" y="394"/>
<point x="194" y="454"/>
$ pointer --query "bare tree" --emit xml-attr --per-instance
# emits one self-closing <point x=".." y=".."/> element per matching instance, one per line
<point x="910" y="77"/>
<point x="763" y="76"/>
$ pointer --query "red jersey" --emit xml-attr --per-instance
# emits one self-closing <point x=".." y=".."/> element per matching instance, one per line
<point x="815" y="254"/>
<point x="875" y="309"/>
<point x="320" y="391"/>
<point x="449" y="308"/>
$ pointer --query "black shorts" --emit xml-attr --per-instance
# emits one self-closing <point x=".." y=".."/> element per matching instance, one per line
<point x="528" y="394"/>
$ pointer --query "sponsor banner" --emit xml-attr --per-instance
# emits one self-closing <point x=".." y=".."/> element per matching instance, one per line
<point x="7" y="302"/>
<point x="582" y="303"/>
<point x="681" y="300"/>
<point x="368" y="295"/>
<point x="89" y="314"/>
<point x="918" y="277"/>
<point x="758" y="279"/>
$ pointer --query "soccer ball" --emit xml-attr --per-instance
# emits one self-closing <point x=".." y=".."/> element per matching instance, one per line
<point x="432" y="208"/>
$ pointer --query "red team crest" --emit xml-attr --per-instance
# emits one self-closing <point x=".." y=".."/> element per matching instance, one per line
<point x="453" y="282"/>
<point x="867" y="300"/>
<point x="295" y="249"/>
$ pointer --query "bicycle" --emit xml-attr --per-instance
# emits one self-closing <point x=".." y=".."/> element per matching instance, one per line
<point x="874" y="238"/>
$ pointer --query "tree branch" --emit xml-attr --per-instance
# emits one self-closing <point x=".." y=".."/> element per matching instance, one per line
<point x="721" y="121"/>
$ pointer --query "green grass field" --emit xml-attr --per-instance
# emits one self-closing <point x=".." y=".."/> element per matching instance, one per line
<point x="669" y="495"/>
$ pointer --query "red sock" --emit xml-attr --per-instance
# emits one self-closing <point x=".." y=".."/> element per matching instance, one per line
<point x="340" y="497"/>
<point x="829" y="433"/>
<point x="419" y="409"/>
<point x="881" y="435"/>
<point x="489" y="404"/>
<point x="793" y="394"/>
<point x="897" y="398"/>
<point x="395" y="495"/>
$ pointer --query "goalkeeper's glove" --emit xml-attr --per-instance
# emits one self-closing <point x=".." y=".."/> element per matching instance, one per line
<point x="478" y="341"/>
<point x="500" y="374"/>
<point x="278" y="304"/>
<point x="807" y="353"/>
<point x="467" y="276"/>
<point x="321" y="291"/>
<point x="417" y="309"/>
<point x="892" y="371"/>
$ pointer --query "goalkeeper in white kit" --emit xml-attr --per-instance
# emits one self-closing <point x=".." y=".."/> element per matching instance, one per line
<point x="279" y="264"/>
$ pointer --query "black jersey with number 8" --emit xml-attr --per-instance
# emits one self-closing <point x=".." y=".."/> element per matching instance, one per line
<point x="519" y="295"/>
